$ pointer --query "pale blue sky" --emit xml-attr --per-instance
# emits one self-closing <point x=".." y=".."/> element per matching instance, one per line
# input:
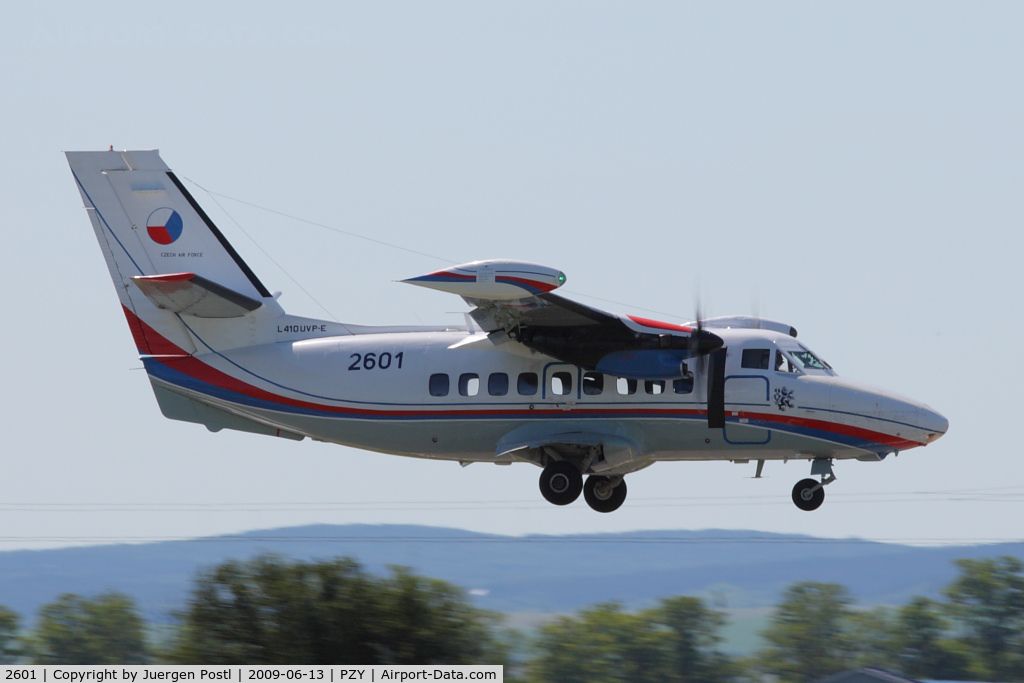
<point x="853" y="169"/>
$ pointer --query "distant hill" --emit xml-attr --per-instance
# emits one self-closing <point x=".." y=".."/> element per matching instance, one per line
<point x="738" y="569"/>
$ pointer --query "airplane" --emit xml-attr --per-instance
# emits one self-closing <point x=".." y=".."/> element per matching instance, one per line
<point x="531" y="377"/>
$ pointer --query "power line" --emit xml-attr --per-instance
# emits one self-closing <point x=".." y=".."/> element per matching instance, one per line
<point x="321" y="225"/>
<point x="980" y="495"/>
<point x="516" y="540"/>
<point x="213" y="195"/>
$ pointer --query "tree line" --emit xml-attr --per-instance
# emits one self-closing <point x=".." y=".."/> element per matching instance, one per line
<point x="272" y="611"/>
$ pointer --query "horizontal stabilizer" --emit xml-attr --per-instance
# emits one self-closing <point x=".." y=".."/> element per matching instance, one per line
<point x="194" y="295"/>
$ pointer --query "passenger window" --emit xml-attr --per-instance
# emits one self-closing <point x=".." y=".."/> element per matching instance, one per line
<point x="654" y="387"/>
<point x="756" y="359"/>
<point x="593" y="383"/>
<point x="439" y="385"/>
<point x="527" y="384"/>
<point x="561" y="383"/>
<point x="469" y="384"/>
<point x="683" y="385"/>
<point x="626" y="387"/>
<point x="783" y="363"/>
<point x="497" y="384"/>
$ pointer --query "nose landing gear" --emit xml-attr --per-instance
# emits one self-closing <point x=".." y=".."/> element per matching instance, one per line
<point x="809" y="494"/>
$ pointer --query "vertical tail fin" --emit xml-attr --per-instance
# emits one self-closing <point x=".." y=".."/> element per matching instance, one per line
<point x="148" y="225"/>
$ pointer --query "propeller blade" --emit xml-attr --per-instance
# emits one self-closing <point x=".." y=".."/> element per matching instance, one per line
<point x="716" y="389"/>
<point x="703" y="342"/>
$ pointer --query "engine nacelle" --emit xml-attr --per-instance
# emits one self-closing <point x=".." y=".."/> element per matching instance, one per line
<point x="494" y="280"/>
<point x="645" y="364"/>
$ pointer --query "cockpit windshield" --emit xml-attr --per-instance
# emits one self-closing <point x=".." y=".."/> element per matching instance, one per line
<point x="792" y="356"/>
<point x="808" y="360"/>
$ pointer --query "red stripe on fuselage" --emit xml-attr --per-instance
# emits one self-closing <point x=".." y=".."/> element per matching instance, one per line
<point x="138" y="331"/>
<point x="196" y="369"/>
<point x="148" y="340"/>
<point x="895" y="442"/>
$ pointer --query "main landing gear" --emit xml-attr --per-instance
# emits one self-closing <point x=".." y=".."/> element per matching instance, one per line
<point x="561" y="483"/>
<point x="604" y="494"/>
<point x="809" y="494"/>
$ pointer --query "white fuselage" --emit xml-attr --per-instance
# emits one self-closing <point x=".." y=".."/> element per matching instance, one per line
<point x="220" y="351"/>
<point x="374" y="391"/>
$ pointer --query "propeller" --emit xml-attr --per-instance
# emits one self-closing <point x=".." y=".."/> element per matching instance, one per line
<point x="711" y="352"/>
<point x="702" y="342"/>
<point x="716" y="388"/>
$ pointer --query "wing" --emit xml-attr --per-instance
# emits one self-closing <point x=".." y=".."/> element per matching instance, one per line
<point x="514" y="300"/>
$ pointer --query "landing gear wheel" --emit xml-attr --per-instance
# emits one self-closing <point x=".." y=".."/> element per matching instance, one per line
<point x="602" y="496"/>
<point x="561" y="483"/>
<point x="805" y="497"/>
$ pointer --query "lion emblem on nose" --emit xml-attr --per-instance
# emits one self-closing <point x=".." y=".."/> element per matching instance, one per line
<point x="784" y="398"/>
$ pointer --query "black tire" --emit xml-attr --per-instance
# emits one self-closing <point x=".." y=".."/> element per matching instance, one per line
<point x="561" y="483"/>
<point x="804" y="498"/>
<point x="600" y="498"/>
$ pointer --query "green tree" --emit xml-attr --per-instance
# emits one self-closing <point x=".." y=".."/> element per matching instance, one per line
<point x="922" y="646"/>
<point x="76" y="630"/>
<point x="10" y="647"/>
<point x="694" y="638"/>
<point x="673" y="642"/>
<point x="428" y="621"/>
<point x="601" y="645"/>
<point x="270" y="611"/>
<point x="807" y="633"/>
<point x="871" y="635"/>
<point x="987" y="600"/>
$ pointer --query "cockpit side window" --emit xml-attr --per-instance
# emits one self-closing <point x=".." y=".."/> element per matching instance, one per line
<point x="756" y="359"/>
<point x="784" y="363"/>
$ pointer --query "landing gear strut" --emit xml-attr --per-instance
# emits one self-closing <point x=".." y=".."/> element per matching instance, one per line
<point x="809" y="494"/>
<point x="561" y="482"/>
<point x="604" y="494"/>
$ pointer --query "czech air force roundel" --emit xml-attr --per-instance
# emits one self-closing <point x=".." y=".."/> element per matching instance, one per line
<point x="164" y="225"/>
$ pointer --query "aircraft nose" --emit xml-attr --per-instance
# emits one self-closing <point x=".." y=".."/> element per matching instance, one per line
<point x="932" y="422"/>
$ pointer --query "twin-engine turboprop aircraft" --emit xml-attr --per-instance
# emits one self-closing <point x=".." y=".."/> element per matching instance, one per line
<point x="532" y="377"/>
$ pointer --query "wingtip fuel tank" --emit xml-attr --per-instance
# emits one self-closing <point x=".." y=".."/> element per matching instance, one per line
<point x="496" y="280"/>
